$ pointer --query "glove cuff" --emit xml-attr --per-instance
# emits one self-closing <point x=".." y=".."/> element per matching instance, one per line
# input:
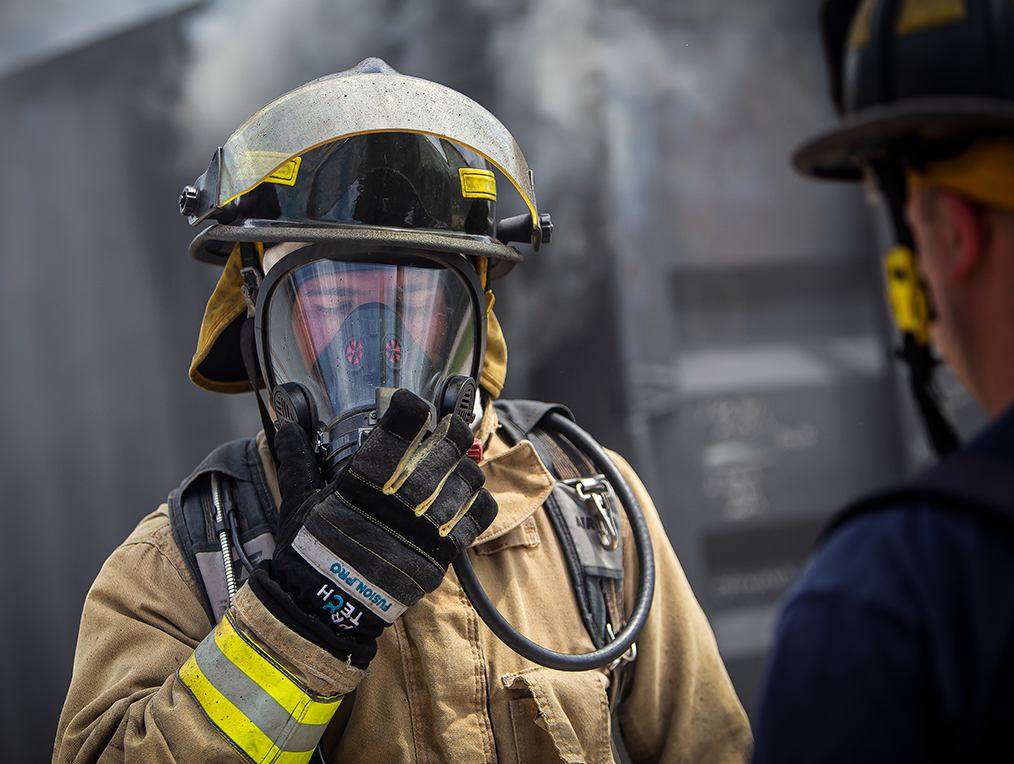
<point x="282" y="607"/>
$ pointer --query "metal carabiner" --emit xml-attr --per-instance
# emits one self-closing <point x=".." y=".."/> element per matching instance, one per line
<point x="628" y="656"/>
<point x="596" y="488"/>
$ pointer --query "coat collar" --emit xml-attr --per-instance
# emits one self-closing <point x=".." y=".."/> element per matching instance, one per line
<point x="515" y="476"/>
<point x="519" y="482"/>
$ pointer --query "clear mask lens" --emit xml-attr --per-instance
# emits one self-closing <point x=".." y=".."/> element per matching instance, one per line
<point x="343" y="330"/>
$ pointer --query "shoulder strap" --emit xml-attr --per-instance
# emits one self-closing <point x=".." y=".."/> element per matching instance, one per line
<point x="974" y="480"/>
<point x="520" y="418"/>
<point x="596" y="573"/>
<point x="524" y="415"/>
<point x="253" y="518"/>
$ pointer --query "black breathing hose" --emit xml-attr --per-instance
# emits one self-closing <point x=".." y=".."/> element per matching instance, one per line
<point x="645" y="562"/>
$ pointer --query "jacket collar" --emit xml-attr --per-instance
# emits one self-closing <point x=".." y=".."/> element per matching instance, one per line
<point x="519" y="482"/>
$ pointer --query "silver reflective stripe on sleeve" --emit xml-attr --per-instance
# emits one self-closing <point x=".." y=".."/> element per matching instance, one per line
<point x="253" y="701"/>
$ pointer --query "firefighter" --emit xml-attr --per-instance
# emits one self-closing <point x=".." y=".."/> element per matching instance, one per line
<point x="897" y="643"/>
<point x="291" y="601"/>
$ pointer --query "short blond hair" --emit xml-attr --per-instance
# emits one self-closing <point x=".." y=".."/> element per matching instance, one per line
<point x="982" y="173"/>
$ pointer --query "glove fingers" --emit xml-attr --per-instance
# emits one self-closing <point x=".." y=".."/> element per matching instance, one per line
<point x="371" y="544"/>
<point x="455" y="493"/>
<point x="457" y="432"/>
<point x="298" y="476"/>
<point x="477" y="518"/>
<point x="386" y="451"/>
<point x="426" y="474"/>
<point x="407" y="416"/>
<point x="297" y="467"/>
<point x="420" y="471"/>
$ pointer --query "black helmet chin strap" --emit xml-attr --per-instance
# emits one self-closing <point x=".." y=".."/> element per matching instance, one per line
<point x="252" y="275"/>
<point x="912" y="309"/>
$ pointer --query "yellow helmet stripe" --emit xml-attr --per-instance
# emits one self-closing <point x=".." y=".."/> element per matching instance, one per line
<point x="253" y="701"/>
<point x="477" y="184"/>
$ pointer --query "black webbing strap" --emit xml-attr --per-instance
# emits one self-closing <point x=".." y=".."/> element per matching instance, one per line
<point x="250" y="269"/>
<point x="598" y="598"/>
<point x="918" y="357"/>
<point x="601" y="598"/>
<point x="593" y="614"/>
<point x="973" y="480"/>
<point x="247" y="347"/>
<point x="192" y="512"/>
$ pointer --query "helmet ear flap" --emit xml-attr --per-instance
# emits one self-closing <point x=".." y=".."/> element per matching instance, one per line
<point x="835" y="22"/>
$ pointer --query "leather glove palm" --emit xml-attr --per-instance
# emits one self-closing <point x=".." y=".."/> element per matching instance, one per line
<point x="352" y="556"/>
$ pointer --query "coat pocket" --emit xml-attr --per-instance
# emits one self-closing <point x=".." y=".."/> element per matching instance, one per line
<point x="559" y="716"/>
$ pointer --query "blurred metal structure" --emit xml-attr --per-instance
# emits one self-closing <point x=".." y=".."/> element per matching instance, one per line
<point x="704" y="311"/>
<point x="33" y="33"/>
<point x="757" y="351"/>
<point x="94" y="311"/>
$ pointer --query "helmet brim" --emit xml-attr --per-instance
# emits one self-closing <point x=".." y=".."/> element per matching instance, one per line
<point x="215" y="243"/>
<point x="835" y="154"/>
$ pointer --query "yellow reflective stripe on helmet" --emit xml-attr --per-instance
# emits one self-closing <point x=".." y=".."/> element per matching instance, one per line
<point x="906" y="294"/>
<point x="253" y="701"/>
<point x="477" y="184"/>
<point x="919" y="15"/>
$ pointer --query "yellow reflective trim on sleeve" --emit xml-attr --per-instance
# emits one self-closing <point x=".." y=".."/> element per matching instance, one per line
<point x="477" y="184"/>
<point x="255" y="703"/>
<point x="274" y="680"/>
<point x="231" y="721"/>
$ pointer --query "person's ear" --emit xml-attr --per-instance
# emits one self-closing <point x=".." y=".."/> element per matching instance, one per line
<point x="966" y="233"/>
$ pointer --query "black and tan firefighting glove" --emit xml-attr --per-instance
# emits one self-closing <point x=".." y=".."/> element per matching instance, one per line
<point x="352" y="556"/>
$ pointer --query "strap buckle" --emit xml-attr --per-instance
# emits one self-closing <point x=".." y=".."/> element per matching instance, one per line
<point x="596" y="488"/>
<point x="628" y="656"/>
<point x="250" y="287"/>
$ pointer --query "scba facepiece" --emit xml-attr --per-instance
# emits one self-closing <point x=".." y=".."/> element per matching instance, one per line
<point x="338" y="332"/>
<point x="355" y="214"/>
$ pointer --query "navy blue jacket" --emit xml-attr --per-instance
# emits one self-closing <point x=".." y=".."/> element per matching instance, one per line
<point x="897" y="642"/>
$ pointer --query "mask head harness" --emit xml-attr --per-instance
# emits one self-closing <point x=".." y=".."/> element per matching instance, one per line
<point x="915" y="82"/>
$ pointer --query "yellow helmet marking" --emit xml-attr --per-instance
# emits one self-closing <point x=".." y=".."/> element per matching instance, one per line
<point x="477" y="184"/>
<point x="279" y="167"/>
<point x="918" y="15"/>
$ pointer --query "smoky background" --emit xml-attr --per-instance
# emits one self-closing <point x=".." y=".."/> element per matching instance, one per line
<point x="702" y="309"/>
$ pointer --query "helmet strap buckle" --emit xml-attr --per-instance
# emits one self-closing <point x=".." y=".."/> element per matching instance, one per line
<point x="249" y="294"/>
<point x="250" y="270"/>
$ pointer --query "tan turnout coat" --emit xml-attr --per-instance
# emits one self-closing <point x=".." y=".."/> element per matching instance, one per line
<point x="442" y="687"/>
